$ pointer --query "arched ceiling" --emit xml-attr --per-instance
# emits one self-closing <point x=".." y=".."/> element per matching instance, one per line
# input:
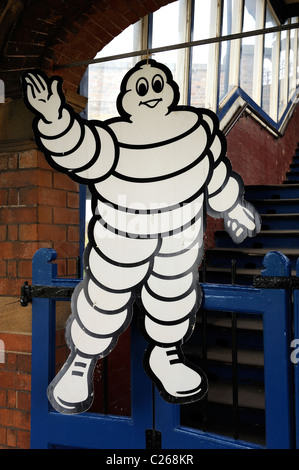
<point x="45" y="33"/>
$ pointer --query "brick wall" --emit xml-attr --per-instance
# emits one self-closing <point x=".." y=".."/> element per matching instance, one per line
<point x="38" y="208"/>
<point x="258" y="156"/>
<point x="15" y="378"/>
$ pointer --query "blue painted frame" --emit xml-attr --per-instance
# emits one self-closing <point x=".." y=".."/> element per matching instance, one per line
<point x="221" y="112"/>
<point x="96" y="431"/>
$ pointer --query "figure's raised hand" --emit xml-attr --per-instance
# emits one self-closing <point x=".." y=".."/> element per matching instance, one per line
<point x="43" y="95"/>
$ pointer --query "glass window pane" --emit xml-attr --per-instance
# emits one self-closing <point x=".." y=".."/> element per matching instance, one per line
<point x="283" y="75"/>
<point x="269" y="90"/>
<point x="168" y="29"/>
<point x="199" y="76"/>
<point x="203" y="57"/>
<point x="230" y="25"/>
<point x="203" y="26"/>
<point x="104" y="78"/>
<point x="251" y="21"/>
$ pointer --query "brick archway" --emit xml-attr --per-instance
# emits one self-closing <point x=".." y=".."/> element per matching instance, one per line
<point x="44" y="34"/>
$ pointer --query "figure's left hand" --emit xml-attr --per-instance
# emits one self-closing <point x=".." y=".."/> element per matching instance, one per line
<point x="242" y="221"/>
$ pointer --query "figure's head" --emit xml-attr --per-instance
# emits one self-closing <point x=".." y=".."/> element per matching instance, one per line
<point x="147" y="90"/>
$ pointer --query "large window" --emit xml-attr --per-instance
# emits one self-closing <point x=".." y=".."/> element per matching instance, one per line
<point x="262" y="67"/>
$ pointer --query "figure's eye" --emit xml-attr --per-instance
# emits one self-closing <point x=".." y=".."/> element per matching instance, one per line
<point x="142" y="86"/>
<point x="158" y="83"/>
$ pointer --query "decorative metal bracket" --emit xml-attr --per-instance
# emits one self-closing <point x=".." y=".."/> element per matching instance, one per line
<point x="46" y="292"/>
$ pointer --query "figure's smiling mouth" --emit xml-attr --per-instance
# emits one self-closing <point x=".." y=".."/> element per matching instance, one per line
<point x="150" y="103"/>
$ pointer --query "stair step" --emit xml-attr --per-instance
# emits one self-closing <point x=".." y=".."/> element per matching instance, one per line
<point x="290" y="252"/>
<point x="249" y="396"/>
<point x="248" y="322"/>
<point x="280" y="221"/>
<point x="222" y="275"/>
<point x="275" y="191"/>
<point x="245" y="357"/>
<point x="292" y="176"/>
<point x="241" y="272"/>
<point x="251" y="426"/>
<point x="294" y="165"/>
<point x="244" y="276"/>
<point x="223" y="355"/>
<point x="276" y="206"/>
<point x="246" y="257"/>
<point x="274" y="239"/>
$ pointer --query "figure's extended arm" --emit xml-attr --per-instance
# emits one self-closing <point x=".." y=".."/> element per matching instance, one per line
<point x="226" y="190"/>
<point x="71" y="144"/>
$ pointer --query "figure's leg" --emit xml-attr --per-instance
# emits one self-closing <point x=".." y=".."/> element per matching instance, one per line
<point x="101" y="311"/>
<point x="171" y="297"/>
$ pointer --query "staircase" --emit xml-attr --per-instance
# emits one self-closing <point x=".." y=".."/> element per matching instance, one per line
<point x="278" y="206"/>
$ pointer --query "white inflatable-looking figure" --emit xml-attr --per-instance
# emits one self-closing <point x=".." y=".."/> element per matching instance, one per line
<point x="153" y="172"/>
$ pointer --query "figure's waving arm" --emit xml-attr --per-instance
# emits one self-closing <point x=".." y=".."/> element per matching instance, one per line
<point x="70" y="143"/>
<point x="225" y="190"/>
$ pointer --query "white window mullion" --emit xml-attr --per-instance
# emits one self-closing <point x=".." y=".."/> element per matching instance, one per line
<point x="284" y="71"/>
<point x="183" y="58"/>
<point x="234" y="71"/>
<point x="213" y="58"/>
<point x="286" y="91"/>
<point x="293" y="44"/>
<point x="296" y="44"/>
<point x="275" y="80"/>
<point x="258" y="55"/>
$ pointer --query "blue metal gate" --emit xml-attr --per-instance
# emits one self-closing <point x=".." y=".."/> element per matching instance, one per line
<point x="149" y="412"/>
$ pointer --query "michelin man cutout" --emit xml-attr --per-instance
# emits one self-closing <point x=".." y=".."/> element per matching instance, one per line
<point x="153" y="172"/>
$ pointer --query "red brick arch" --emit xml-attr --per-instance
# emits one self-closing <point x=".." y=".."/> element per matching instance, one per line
<point x="53" y="32"/>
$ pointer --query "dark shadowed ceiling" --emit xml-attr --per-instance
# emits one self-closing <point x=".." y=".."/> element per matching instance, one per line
<point x="285" y="9"/>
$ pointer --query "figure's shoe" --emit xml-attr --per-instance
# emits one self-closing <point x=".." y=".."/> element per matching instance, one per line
<point x="176" y="381"/>
<point x="71" y="391"/>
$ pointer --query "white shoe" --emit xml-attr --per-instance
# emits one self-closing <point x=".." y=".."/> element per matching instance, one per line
<point x="176" y="381"/>
<point x="71" y="391"/>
